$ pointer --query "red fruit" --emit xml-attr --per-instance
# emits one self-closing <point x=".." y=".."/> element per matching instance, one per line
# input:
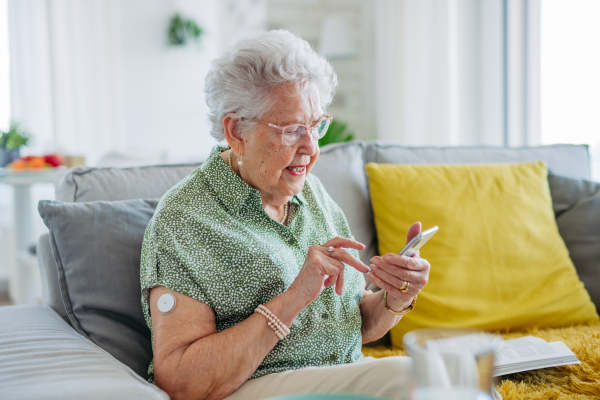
<point x="55" y="160"/>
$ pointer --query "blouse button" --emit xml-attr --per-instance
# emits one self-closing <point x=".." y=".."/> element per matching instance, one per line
<point x="324" y="316"/>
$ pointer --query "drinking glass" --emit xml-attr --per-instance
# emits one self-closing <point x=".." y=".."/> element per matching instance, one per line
<point x="452" y="363"/>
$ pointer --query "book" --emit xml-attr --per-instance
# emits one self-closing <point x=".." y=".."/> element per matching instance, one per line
<point x="516" y="355"/>
<point x="529" y="353"/>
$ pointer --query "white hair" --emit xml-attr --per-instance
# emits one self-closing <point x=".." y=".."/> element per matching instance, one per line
<point x="242" y="79"/>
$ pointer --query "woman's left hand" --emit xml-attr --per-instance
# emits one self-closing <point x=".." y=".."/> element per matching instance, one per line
<point x="391" y="271"/>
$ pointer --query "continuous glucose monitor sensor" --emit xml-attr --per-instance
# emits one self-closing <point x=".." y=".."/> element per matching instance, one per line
<point x="166" y="303"/>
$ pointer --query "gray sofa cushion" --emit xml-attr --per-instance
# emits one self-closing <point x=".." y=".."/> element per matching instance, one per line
<point x="44" y="358"/>
<point x="82" y="184"/>
<point x="49" y="275"/>
<point x="562" y="159"/>
<point x="92" y="184"/>
<point x="96" y="248"/>
<point x="341" y="169"/>
<point x="577" y="208"/>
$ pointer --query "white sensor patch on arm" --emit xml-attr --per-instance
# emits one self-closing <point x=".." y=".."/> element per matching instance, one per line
<point x="166" y="303"/>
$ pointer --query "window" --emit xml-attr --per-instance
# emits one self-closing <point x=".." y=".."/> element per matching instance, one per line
<point x="4" y="68"/>
<point x="570" y="74"/>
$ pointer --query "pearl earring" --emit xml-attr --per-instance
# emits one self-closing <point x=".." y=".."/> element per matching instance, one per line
<point x="240" y="161"/>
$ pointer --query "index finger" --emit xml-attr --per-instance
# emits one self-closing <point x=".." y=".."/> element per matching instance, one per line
<point x="344" y="256"/>
<point x="412" y="263"/>
<point x="339" y="241"/>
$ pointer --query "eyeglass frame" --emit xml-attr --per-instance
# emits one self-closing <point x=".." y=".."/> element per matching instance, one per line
<point x="310" y="129"/>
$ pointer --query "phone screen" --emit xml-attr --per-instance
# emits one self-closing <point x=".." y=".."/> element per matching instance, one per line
<point x="417" y="242"/>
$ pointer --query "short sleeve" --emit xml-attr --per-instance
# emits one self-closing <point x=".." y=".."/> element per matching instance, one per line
<point x="165" y="261"/>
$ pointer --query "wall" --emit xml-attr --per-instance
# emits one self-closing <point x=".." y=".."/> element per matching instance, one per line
<point x="163" y="86"/>
<point x="354" y="102"/>
<point x="164" y="107"/>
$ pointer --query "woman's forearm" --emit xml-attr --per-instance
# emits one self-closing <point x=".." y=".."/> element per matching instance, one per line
<point x="217" y="365"/>
<point x="376" y="319"/>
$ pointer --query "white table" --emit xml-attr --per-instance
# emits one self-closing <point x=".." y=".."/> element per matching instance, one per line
<point x="22" y="284"/>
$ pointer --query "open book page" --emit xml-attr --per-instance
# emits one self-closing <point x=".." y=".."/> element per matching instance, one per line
<point x="524" y="357"/>
<point x="541" y="351"/>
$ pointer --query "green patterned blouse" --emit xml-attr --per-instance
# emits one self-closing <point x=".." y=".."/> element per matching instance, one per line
<point x="211" y="239"/>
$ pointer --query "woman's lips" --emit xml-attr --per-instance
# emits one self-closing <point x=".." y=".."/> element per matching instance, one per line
<point x="296" y="170"/>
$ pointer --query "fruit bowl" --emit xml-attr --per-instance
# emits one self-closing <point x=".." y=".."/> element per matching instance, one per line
<point x="35" y="164"/>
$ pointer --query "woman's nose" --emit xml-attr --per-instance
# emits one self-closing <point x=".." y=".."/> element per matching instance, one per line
<point x="308" y="145"/>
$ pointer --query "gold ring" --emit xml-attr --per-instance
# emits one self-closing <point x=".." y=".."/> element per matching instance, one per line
<point x="330" y="249"/>
<point x="404" y="287"/>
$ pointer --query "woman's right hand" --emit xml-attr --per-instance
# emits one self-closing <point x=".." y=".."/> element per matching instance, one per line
<point x="321" y="270"/>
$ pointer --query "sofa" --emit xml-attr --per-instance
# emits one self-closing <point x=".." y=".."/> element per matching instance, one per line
<point x="88" y="339"/>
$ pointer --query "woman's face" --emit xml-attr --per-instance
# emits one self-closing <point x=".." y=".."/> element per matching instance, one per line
<point x="267" y="162"/>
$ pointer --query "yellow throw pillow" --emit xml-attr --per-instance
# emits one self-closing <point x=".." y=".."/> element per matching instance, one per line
<point x="497" y="262"/>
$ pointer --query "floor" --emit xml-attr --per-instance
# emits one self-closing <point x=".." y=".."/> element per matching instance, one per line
<point x="4" y="298"/>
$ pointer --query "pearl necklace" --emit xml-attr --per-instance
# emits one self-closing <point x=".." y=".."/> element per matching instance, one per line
<point x="285" y="213"/>
<point x="285" y="208"/>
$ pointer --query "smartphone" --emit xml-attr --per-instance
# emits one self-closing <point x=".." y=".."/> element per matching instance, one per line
<point x="411" y="247"/>
<point x="417" y="242"/>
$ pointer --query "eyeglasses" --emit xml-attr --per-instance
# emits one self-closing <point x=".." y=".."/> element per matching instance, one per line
<point x="293" y="133"/>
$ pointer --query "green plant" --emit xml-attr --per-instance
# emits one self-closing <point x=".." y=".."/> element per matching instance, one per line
<point x="336" y="133"/>
<point x="182" y="30"/>
<point x="14" y="138"/>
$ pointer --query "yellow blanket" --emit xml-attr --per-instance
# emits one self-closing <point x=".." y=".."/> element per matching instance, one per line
<point x="579" y="382"/>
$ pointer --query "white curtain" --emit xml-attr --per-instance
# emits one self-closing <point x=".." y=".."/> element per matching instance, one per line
<point x="31" y="93"/>
<point x="97" y="76"/>
<point x="457" y="72"/>
<point x="65" y="75"/>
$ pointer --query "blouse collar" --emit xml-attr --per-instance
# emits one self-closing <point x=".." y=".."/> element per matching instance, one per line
<point x="231" y="190"/>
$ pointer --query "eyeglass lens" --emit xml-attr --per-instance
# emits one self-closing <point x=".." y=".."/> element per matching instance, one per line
<point x="322" y="127"/>
<point x="292" y="134"/>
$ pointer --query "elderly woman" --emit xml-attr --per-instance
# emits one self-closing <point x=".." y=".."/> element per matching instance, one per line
<point x="251" y="282"/>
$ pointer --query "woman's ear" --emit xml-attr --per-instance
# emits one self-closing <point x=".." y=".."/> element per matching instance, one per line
<point x="233" y="137"/>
